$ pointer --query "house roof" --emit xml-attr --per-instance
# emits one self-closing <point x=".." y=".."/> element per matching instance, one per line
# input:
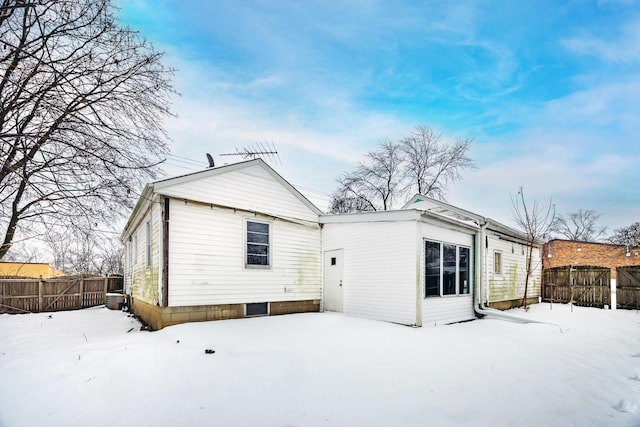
<point x="408" y="214"/>
<point x="431" y="208"/>
<point x="438" y="207"/>
<point x="28" y="269"/>
<point x="370" y="216"/>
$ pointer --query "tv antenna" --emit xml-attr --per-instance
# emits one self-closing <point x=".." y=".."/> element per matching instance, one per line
<point x="265" y="150"/>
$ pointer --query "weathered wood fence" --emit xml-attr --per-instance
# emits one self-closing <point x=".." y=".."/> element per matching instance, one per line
<point x="628" y="287"/>
<point x="62" y="293"/>
<point x="586" y="286"/>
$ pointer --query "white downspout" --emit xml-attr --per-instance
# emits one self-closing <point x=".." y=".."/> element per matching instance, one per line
<point x="479" y="305"/>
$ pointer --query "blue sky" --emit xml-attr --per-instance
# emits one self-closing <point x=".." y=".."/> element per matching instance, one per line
<point x="549" y="91"/>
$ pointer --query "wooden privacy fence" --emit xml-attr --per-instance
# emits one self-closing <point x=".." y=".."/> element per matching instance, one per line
<point x="628" y="287"/>
<point x="586" y="286"/>
<point x="62" y="293"/>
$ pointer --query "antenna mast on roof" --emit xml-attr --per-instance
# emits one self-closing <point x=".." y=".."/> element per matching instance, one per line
<point x="265" y="150"/>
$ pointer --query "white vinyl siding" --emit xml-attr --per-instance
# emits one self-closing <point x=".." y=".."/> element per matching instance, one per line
<point x="509" y="283"/>
<point x="146" y="251"/>
<point x="251" y="188"/>
<point x="379" y="268"/>
<point x="207" y="258"/>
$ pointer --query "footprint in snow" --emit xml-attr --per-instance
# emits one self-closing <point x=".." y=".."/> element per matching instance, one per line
<point x="626" y="407"/>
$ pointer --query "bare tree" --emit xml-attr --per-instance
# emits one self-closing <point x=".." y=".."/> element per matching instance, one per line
<point x="21" y="252"/>
<point x="535" y="221"/>
<point x="430" y="164"/>
<point x="374" y="183"/>
<point x="629" y="236"/>
<point x="421" y="162"/>
<point x="85" y="250"/>
<point x="580" y="226"/>
<point x="81" y="107"/>
<point x="343" y="201"/>
<point x="111" y="257"/>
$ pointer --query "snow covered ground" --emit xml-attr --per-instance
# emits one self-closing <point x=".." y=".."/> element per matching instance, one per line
<point x="90" y="368"/>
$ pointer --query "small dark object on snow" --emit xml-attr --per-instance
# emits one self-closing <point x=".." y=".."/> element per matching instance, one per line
<point x="145" y="328"/>
<point x="209" y="351"/>
<point x="50" y="316"/>
<point x="130" y="330"/>
<point x="177" y="341"/>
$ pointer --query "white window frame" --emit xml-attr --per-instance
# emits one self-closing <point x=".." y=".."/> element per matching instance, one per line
<point x="147" y="246"/>
<point x="129" y="254"/>
<point x="499" y="255"/>
<point x="135" y="250"/>
<point x="269" y="245"/>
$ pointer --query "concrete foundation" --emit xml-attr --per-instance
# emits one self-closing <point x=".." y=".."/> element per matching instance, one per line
<point x="160" y="317"/>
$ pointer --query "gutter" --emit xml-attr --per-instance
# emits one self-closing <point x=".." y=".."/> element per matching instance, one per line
<point x="480" y="307"/>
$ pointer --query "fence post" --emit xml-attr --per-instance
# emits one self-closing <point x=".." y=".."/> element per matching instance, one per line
<point x="571" y="289"/>
<point x="106" y="289"/>
<point x="81" y="292"/>
<point x="614" y="298"/>
<point x="40" y="295"/>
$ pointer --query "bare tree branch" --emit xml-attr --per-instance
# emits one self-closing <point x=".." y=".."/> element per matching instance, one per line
<point x="580" y="226"/>
<point x="535" y="221"/>
<point x="82" y="101"/>
<point x="421" y="162"/>
<point x="629" y="236"/>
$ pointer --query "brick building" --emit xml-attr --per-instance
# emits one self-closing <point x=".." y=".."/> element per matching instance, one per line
<point x="560" y="253"/>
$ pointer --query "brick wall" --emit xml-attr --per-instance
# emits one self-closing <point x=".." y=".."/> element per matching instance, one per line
<point x="559" y="253"/>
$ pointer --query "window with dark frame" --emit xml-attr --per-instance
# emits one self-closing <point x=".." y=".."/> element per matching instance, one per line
<point x="449" y="269"/>
<point x="257" y="309"/>
<point x="463" y="271"/>
<point x="257" y="244"/>
<point x="446" y="269"/>
<point x="432" y="269"/>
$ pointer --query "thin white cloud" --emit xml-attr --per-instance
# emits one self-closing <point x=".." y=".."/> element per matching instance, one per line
<point x="608" y="104"/>
<point x="623" y="48"/>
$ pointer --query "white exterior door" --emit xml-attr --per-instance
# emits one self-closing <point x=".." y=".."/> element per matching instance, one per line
<point x="333" y="280"/>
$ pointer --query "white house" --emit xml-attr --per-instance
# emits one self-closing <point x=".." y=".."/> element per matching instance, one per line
<point x="239" y="240"/>
<point x="231" y="241"/>
<point x="427" y="263"/>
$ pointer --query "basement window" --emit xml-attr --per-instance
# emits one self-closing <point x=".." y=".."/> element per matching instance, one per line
<point x="257" y="309"/>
